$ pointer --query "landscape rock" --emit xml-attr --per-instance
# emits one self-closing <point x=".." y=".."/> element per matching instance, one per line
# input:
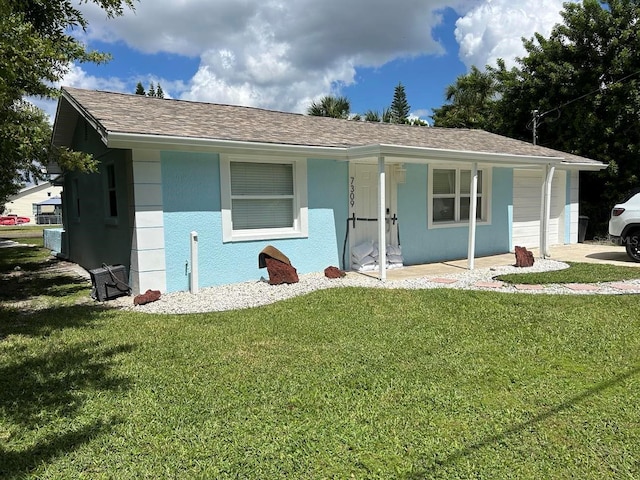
<point x="524" y="258"/>
<point x="280" y="272"/>
<point x="146" y="297"/>
<point x="333" y="272"/>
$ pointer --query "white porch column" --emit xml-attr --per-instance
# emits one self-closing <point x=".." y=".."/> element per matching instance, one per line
<point x="471" y="252"/>
<point x="382" y="236"/>
<point x="545" y="208"/>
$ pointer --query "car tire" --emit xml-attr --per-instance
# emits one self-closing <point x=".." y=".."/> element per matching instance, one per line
<point x="633" y="246"/>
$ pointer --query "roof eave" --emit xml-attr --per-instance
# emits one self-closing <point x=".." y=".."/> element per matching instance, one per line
<point x="60" y="138"/>
<point x="400" y="151"/>
<point x="170" y="142"/>
<point x="137" y="140"/>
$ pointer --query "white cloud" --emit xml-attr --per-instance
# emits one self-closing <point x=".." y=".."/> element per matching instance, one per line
<point x="494" y="29"/>
<point x="275" y="53"/>
<point x="283" y="54"/>
<point x="77" y="77"/>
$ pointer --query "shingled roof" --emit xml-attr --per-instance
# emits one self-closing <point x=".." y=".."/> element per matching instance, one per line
<point x="117" y="113"/>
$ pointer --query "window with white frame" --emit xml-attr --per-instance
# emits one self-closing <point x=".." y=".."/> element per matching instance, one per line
<point x="450" y="196"/>
<point x="263" y="198"/>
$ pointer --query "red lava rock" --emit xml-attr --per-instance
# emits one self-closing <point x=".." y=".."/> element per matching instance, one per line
<point x="280" y="272"/>
<point x="333" y="272"/>
<point x="524" y="258"/>
<point x="146" y="297"/>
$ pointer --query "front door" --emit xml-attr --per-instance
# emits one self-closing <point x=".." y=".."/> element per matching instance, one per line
<point x="363" y="202"/>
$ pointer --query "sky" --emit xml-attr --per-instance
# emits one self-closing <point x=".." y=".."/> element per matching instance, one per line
<point x="285" y="54"/>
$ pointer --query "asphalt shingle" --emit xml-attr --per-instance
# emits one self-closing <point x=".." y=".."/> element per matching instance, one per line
<point x="137" y="114"/>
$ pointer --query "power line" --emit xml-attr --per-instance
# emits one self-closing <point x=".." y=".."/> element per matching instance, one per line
<point x="537" y="115"/>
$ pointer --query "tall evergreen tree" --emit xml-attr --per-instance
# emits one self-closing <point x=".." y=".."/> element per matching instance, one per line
<point x="159" y="91"/>
<point x="140" y="89"/>
<point x="399" y="110"/>
<point x="152" y="90"/>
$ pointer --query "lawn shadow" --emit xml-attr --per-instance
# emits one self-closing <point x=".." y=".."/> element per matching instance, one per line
<point x="27" y="257"/>
<point x="27" y="286"/>
<point x="43" y="391"/>
<point x="519" y="427"/>
<point x="19" y="463"/>
<point x="27" y="273"/>
<point x="42" y="322"/>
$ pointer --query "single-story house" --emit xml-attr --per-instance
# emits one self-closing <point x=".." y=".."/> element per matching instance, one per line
<point x="23" y="203"/>
<point x="177" y="177"/>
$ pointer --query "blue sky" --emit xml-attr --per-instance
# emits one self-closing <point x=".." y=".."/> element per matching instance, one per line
<point x="283" y="54"/>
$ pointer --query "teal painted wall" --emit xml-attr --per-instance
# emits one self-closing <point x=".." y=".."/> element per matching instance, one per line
<point x="191" y="197"/>
<point x="421" y="245"/>
<point x="91" y="240"/>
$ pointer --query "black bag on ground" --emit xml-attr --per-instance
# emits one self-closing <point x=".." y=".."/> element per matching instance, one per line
<point x="109" y="282"/>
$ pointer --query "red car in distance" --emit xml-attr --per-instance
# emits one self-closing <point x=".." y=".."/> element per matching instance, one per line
<point x="13" y="220"/>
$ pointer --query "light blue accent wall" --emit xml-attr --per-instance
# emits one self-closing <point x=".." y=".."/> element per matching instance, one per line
<point x="191" y="199"/>
<point x="328" y="194"/>
<point x="421" y="245"/>
<point x="191" y="196"/>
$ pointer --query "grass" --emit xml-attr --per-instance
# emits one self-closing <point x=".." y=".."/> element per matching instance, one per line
<point x="342" y="383"/>
<point x="576" y="273"/>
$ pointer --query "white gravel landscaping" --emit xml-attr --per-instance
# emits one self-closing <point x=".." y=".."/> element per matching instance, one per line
<point x="253" y="294"/>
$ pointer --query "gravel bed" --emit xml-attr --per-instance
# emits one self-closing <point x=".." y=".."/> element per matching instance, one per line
<point x="254" y="294"/>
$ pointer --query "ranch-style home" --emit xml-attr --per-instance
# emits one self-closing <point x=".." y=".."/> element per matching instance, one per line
<point x="187" y="189"/>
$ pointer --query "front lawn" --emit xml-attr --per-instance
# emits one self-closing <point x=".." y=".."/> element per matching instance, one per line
<point x="341" y="383"/>
<point x="576" y="273"/>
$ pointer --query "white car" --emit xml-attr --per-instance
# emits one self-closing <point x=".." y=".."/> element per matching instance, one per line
<point x="624" y="225"/>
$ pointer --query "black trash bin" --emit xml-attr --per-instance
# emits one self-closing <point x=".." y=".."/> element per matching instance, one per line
<point x="582" y="228"/>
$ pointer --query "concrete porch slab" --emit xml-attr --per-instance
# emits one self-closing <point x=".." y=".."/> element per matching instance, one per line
<point x="580" y="252"/>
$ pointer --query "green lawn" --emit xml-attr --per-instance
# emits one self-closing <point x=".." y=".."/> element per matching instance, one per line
<point x="576" y="273"/>
<point x="342" y="383"/>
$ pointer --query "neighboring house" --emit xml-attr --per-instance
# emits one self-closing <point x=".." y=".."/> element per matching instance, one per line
<point x="244" y="178"/>
<point x="23" y="203"/>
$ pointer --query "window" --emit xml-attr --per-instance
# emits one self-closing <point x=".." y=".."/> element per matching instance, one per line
<point x="76" y="198"/>
<point x="112" y="198"/>
<point x="450" y="196"/>
<point x="263" y="198"/>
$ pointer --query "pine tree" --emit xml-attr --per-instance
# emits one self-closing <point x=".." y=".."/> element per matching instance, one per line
<point x="399" y="107"/>
<point x="140" y="89"/>
<point x="159" y="91"/>
<point x="152" y="90"/>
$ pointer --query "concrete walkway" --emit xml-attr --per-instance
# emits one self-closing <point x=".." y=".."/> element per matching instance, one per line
<point x="581" y="252"/>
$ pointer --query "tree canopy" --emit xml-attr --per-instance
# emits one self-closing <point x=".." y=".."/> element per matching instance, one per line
<point x="471" y="101"/>
<point x="330" y="106"/>
<point x="37" y="49"/>
<point x="584" y="82"/>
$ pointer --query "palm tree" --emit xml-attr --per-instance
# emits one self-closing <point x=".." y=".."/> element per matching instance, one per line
<point x="329" y="106"/>
<point x="372" y="116"/>
<point x="471" y="99"/>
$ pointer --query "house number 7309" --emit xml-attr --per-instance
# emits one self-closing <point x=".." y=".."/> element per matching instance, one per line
<point x="352" y="192"/>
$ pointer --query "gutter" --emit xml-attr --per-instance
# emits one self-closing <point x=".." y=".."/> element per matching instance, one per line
<point x="170" y="142"/>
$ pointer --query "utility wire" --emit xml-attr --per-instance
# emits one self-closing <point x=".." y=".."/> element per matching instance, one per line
<point x="535" y="123"/>
<point x="589" y="93"/>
